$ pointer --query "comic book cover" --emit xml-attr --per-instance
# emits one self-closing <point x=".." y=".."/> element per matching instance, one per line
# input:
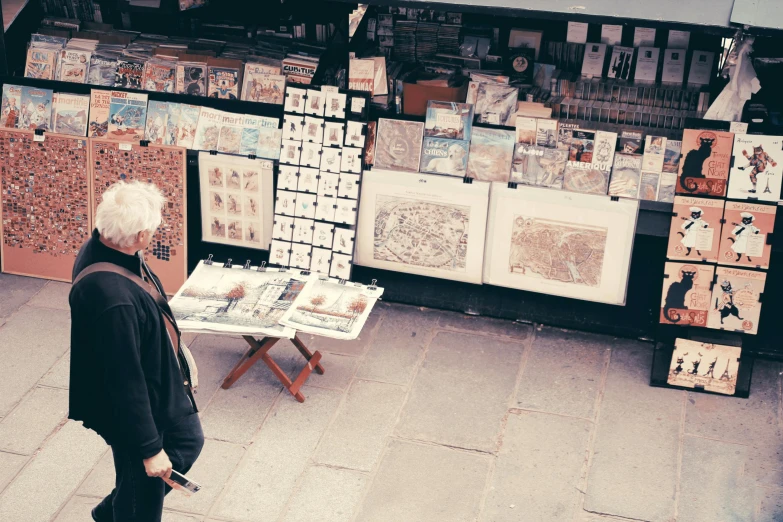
<point x="100" y="101"/>
<point x="102" y="70"/>
<point x="685" y="299"/>
<point x="35" y="111"/>
<point x="648" y="186"/>
<point x="172" y="124"/>
<point x="491" y="154"/>
<point x="127" y="116"/>
<point x="746" y="229"/>
<point x="223" y="82"/>
<point x="48" y="40"/>
<point x="757" y="173"/>
<point x="12" y="101"/>
<point x="445" y="156"/>
<point x="496" y="104"/>
<point x="159" y="76"/>
<point x="672" y="155"/>
<point x="208" y="129"/>
<point x="73" y="66"/>
<point x="695" y="229"/>
<point x="736" y="300"/>
<point x="269" y="140"/>
<point x="448" y="120"/>
<point x="251" y="132"/>
<point x="157" y="122"/>
<point x="263" y="83"/>
<point x="626" y="175"/>
<point x="41" y="63"/>
<point x="603" y="150"/>
<point x="539" y="166"/>
<point x="192" y="78"/>
<point x="69" y="113"/>
<point x="187" y="123"/>
<point x="230" y="136"/>
<point x="705" y="366"/>
<point x="706" y="159"/>
<point x="129" y="73"/>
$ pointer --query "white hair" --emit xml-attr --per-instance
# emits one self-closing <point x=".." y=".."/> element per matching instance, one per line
<point x="128" y="208"/>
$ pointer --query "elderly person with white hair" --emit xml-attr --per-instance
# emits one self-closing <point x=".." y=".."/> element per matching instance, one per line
<point x="130" y="378"/>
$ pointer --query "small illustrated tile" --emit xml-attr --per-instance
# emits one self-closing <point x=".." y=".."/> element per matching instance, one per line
<point x="311" y="155"/>
<point x="316" y="100"/>
<point x="303" y="230"/>
<point x="293" y="125"/>
<point x="286" y="203"/>
<point x="280" y="252"/>
<point x="331" y="159"/>
<point x="300" y="256"/>
<point x="341" y="266"/>
<point x="345" y="212"/>
<point x="308" y="180"/>
<point x="326" y="208"/>
<point x="327" y="185"/>
<point x="333" y="134"/>
<point x="287" y="177"/>
<point x="290" y="151"/>
<point x="313" y="129"/>
<point x="283" y="228"/>
<point x="349" y="186"/>
<point x="354" y="136"/>
<point x="358" y="106"/>
<point x="335" y="105"/>
<point x="305" y="205"/>
<point x="343" y="240"/>
<point x="319" y="260"/>
<point x="294" y="100"/>
<point x="323" y="234"/>
<point x="352" y="160"/>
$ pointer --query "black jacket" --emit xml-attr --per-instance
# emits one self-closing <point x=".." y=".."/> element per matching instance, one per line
<point x="125" y="382"/>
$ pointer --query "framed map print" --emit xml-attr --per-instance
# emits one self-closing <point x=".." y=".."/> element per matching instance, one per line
<point x="559" y="243"/>
<point x="422" y="224"/>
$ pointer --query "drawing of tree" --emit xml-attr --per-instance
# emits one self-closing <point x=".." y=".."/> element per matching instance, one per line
<point x="317" y="301"/>
<point x="234" y="295"/>
<point x="357" y="307"/>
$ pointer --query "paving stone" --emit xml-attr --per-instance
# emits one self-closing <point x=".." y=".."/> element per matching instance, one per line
<point x="398" y="345"/>
<point x="171" y="516"/>
<point x="357" y="435"/>
<point x="439" y="410"/>
<point x="60" y="374"/>
<point x="10" y="464"/>
<point x="484" y="325"/>
<point x="31" y="341"/>
<point x="326" y="495"/>
<point x="338" y="371"/>
<point x="27" y="426"/>
<point x="280" y="453"/>
<point x="100" y="481"/>
<point x="50" y="478"/>
<point x="563" y="372"/>
<point x="355" y="347"/>
<point x="53" y="295"/>
<point x="770" y="505"/>
<point x="217" y="462"/>
<point x="538" y="469"/>
<point x="77" y="509"/>
<point x="17" y="290"/>
<point x="636" y="443"/>
<point x="423" y="483"/>
<point x="712" y="485"/>
<point x="215" y="356"/>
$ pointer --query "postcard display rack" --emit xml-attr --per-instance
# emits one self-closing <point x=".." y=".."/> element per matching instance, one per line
<point x="718" y="256"/>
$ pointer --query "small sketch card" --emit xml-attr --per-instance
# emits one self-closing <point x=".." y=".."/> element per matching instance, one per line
<point x="343" y="240"/>
<point x="290" y="152"/>
<point x="283" y="228"/>
<point x="326" y="208"/>
<point x="280" y="253"/>
<point x="303" y="230"/>
<point x="352" y="160"/>
<point x="327" y="186"/>
<point x="305" y="205"/>
<point x="315" y="102"/>
<point x="341" y="266"/>
<point x="349" y="186"/>
<point x="292" y="126"/>
<point x="286" y="202"/>
<point x="308" y="180"/>
<point x="345" y="211"/>
<point x="335" y="105"/>
<point x="333" y="134"/>
<point x="300" y="256"/>
<point x="294" y="100"/>
<point x="358" y="105"/>
<point x="320" y="259"/>
<point x="287" y="177"/>
<point x="311" y="155"/>
<point x="313" y="129"/>
<point x="323" y="234"/>
<point x="331" y="159"/>
<point x="355" y="134"/>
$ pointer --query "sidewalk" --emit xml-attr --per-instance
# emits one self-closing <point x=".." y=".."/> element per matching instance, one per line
<point x="429" y="416"/>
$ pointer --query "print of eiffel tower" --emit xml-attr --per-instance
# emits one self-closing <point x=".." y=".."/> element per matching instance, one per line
<point x="726" y="376"/>
<point x="767" y="190"/>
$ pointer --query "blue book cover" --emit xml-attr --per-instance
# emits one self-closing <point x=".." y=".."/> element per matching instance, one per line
<point x="251" y="132"/>
<point x="444" y="156"/>
<point x="36" y="108"/>
<point x="448" y="120"/>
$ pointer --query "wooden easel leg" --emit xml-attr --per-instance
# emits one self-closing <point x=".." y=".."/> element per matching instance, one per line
<point x="307" y="355"/>
<point x="304" y="375"/>
<point x="257" y="351"/>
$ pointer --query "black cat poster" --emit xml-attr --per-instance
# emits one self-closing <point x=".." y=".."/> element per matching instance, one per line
<point x="705" y="163"/>
<point x="686" y="294"/>
<point x="710" y="367"/>
<point x="736" y="300"/>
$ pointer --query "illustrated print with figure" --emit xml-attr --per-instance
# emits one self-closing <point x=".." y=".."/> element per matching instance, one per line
<point x="695" y="229"/>
<point x="706" y="162"/>
<point x="725" y="303"/>
<point x="758" y="164"/>
<point x="736" y="300"/>
<point x="757" y="172"/>
<point x="690" y="229"/>
<point x="686" y="294"/>
<point x="746" y="228"/>
<point x="742" y="232"/>
<point x="693" y="365"/>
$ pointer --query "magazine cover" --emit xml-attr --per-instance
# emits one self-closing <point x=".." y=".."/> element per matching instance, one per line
<point x="102" y="70"/>
<point x="746" y="228"/>
<point x="736" y="300"/>
<point x="496" y="104"/>
<point x="631" y="142"/>
<point x="192" y="78"/>
<point x="654" y="153"/>
<point x="73" y="66"/>
<point x="269" y="141"/>
<point x="672" y="155"/>
<point x="398" y="145"/>
<point x="69" y="114"/>
<point x="448" y="120"/>
<point x="36" y="109"/>
<point x="581" y="177"/>
<point x="709" y="367"/>
<point x="758" y="167"/>
<point x="223" y="83"/>
<point x="175" y="109"/>
<point x="695" y="229"/>
<point x="491" y="154"/>
<point x="603" y="150"/>
<point x="263" y="88"/>
<point x="230" y="135"/>
<point x="539" y="166"/>
<point x="564" y="133"/>
<point x="186" y="125"/>
<point x="648" y="186"/>
<point x="361" y="75"/>
<point x="526" y="130"/>
<point x="581" y="149"/>
<point x="666" y="187"/>
<point x="157" y="122"/>
<point x="12" y="101"/>
<point x="208" y="129"/>
<point x="129" y="73"/>
<point x="251" y="132"/>
<point x="100" y="101"/>
<point x="685" y="299"/>
<point x="160" y="76"/>
<point x="626" y="176"/>
<point x="445" y="156"/>
<point x="41" y="63"/>
<point x="546" y="132"/>
<point x="127" y="116"/>
<point x="706" y="159"/>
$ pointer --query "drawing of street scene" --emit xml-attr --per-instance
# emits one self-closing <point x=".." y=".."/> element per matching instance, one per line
<point x="332" y="306"/>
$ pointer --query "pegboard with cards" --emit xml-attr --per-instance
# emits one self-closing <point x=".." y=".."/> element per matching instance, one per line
<point x="320" y="172"/>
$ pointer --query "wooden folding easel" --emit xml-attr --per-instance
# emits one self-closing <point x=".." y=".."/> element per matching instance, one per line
<point x="259" y="351"/>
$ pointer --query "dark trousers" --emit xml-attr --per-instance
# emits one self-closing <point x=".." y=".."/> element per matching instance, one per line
<point x="139" y="498"/>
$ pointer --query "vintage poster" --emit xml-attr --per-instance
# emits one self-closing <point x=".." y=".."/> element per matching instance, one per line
<point x="223" y="82"/>
<point x="165" y="167"/>
<point x="546" y="132"/>
<point x="263" y="88"/>
<point x="12" y="101"/>
<point x="73" y="66"/>
<point x="237" y="200"/>
<point x="41" y="63"/>
<point x="736" y="300"/>
<point x="420" y="224"/>
<point x="666" y="187"/>
<point x="526" y="130"/>
<point x="236" y="300"/>
<point x="539" y="166"/>
<point x="491" y="154"/>
<point x="448" y="120"/>
<point x="758" y="168"/>
<point x="36" y="109"/>
<point x="704" y="167"/>
<point x="127" y="116"/>
<point x="208" y="129"/>
<point x="330" y="308"/>
<point x="398" y="145"/>
<point x="444" y="156"/>
<point x="45" y="216"/>
<point x="100" y="101"/>
<point x="672" y="155"/>
<point x="129" y="74"/>
<point x="626" y="176"/>
<point x="496" y="104"/>
<point x="191" y="78"/>
<point x="69" y="115"/>
<point x="704" y="366"/>
<point x="746" y="229"/>
<point x="695" y="229"/>
<point x="648" y="186"/>
<point x="686" y="294"/>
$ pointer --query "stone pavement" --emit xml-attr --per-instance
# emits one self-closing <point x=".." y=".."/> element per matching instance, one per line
<point x="429" y="416"/>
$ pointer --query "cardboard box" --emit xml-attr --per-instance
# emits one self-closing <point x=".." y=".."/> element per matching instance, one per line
<point x="415" y="97"/>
